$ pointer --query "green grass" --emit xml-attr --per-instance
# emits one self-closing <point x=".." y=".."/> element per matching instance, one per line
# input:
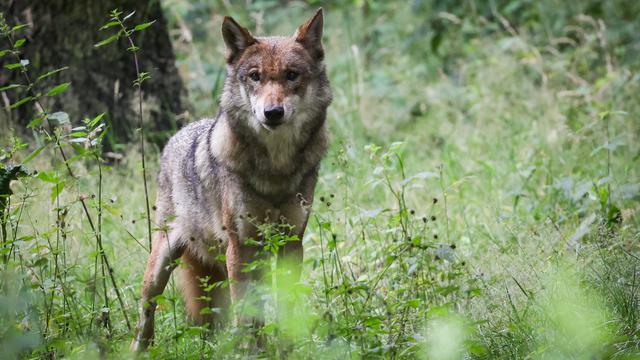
<point x="480" y="198"/>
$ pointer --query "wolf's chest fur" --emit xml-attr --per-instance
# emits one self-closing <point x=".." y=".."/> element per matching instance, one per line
<point x="272" y="164"/>
<point x="217" y="163"/>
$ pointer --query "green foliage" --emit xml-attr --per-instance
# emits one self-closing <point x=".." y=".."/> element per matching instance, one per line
<point x="116" y="20"/>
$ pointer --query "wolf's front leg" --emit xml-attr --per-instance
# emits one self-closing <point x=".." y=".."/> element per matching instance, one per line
<point x="159" y="267"/>
<point x="238" y="256"/>
<point x="290" y="256"/>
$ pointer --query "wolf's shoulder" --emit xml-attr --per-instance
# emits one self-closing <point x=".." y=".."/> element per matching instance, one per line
<point x="179" y="151"/>
<point x="184" y="138"/>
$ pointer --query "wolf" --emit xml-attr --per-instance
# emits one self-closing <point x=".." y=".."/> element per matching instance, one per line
<point x="257" y="159"/>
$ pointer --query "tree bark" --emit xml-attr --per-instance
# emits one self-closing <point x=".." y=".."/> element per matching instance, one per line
<point x="63" y="33"/>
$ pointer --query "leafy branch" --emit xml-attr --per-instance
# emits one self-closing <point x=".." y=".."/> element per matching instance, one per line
<point x="8" y="32"/>
<point x="119" y="22"/>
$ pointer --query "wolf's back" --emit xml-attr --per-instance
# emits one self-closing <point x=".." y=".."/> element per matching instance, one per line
<point x="179" y="148"/>
<point x="176" y="162"/>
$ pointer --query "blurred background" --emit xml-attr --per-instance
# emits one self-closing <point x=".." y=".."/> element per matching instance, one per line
<point x="385" y="57"/>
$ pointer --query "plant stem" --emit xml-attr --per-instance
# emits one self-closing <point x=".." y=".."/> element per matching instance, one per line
<point x="72" y="175"/>
<point x="444" y="200"/>
<point x="141" y="127"/>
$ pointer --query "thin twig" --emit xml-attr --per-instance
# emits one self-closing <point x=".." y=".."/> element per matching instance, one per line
<point x="444" y="200"/>
<point x="138" y="83"/>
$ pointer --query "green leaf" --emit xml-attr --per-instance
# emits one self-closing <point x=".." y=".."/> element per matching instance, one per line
<point x="13" y="66"/>
<point x="33" y="154"/>
<point x="614" y="215"/>
<point x="18" y="27"/>
<point x="441" y="310"/>
<point x="17" y="65"/>
<point x="20" y="102"/>
<point x="205" y="311"/>
<point x="46" y="75"/>
<point x="160" y="299"/>
<point x="115" y="13"/>
<point x="141" y="78"/>
<point x="26" y="238"/>
<point x="4" y="52"/>
<point x="35" y="122"/>
<point x="56" y="190"/>
<point x="19" y="43"/>
<point x="108" y="40"/>
<point x="109" y="24"/>
<point x="95" y="120"/>
<point x="143" y="26"/>
<point x="58" y="89"/>
<point x="475" y="347"/>
<point x="372" y="322"/>
<point x="48" y="176"/>
<point x="414" y="303"/>
<point x="389" y="259"/>
<point x="77" y="134"/>
<point x="12" y="86"/>
<point x="416" y="240"/>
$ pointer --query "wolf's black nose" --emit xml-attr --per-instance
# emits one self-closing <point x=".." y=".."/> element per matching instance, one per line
<point x="274" y="114"/>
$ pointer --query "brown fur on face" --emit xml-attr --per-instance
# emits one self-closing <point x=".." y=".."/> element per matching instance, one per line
<point x="214" y="171"/>
<point x="275" y="71"/>
<point x="273" y="60"/>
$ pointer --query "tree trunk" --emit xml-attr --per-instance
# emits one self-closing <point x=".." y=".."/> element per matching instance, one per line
<point x="63" y="33"/>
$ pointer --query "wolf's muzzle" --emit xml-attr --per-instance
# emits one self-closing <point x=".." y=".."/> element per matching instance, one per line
<point x="273" y="115"/>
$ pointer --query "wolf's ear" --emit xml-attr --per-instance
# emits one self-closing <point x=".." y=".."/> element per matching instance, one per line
<point x="309" y="35"/>
<point x="236" y="38"/>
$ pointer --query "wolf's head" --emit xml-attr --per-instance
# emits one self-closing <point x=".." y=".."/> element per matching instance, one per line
<point x="276" y="84"/>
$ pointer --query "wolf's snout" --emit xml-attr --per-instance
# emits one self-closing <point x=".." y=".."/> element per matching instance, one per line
<point x="274" y="115"/>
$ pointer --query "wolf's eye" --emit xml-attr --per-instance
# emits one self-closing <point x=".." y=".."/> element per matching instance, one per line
<point x="291" y="75"/>
<point x="255" y="76"/>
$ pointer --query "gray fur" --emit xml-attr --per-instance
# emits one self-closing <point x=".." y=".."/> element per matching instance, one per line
<point x="217" y="173"/>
